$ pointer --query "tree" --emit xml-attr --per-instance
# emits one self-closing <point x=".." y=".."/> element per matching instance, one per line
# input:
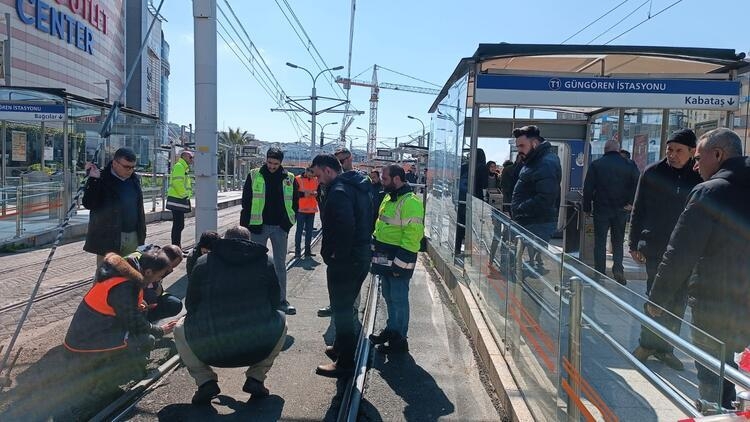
<point x="233" y="137"/>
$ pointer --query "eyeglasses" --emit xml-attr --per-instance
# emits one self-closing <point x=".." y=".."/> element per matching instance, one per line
<point x="124" y="166"/>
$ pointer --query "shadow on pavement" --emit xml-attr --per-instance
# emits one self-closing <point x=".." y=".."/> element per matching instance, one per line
<point x="62" y="387"/>
<point x="179" y="287"/>
<point x="288" y="342"/>
<point x="333" y="410"/>
<point x="425" y="400"/>
<point x="268" y="409"/>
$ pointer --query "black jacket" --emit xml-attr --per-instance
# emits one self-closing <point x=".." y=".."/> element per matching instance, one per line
<point x="231" y="301"/>
<point x="101" y="198"/>
<point x="536" y="194"/>
<point x="92" y="331"/>
<point x="712" y="236"/>
<point x="659" y="201"/>
<point x="347" y="219"/>
<point x="610" y="184"/>
<point x="274" y="212"/>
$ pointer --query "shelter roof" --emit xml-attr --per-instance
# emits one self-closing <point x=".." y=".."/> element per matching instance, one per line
<point x="598" y="60"/>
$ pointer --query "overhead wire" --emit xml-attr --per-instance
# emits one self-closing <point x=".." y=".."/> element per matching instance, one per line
<point x="410" y="77"/>
<point x="618" y="22"/>
<point x="650" y="16"/>
<point x="255" y="63"/>
<point x="595" y="21"/>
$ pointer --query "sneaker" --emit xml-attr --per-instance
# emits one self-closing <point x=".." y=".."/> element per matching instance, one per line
<point x="255" y="388"/>
<point x="382" y="337"/>
<point x="670" y="360"/>
<point x="641" y="353"/>
<point x="206" y="392"/>
<point x="287" y="308"/>
<point x="325" y="312"/>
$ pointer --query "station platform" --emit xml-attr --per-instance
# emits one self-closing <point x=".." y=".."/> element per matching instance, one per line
<point x="439" y="379"/>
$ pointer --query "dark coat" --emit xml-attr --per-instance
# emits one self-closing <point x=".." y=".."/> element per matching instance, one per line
<point x="712" y="237"/>
<point x="610" y="184"/>
<point x="231" y="301"/>
<point x="347" y="219"/>
<point x="537" y="191"/>
<point x="660" y="198"/>
<point x="91" y="331"/>
<point x="274" y="206"/>
<point x="101" y="198"/>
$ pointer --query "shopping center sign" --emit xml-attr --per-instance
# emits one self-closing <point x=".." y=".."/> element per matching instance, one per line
<point x="608" y="92"/>
<point x="59" y="19"/>
<point x="32" y="112"/>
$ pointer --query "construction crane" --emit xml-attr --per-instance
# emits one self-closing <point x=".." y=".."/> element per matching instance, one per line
<point x="374" y="94"/>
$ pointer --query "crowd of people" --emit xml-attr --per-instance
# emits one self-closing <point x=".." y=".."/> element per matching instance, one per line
<point x="236" y="305"/>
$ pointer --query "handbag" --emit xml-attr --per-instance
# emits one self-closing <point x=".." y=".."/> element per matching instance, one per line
<point x="178" y="204"/>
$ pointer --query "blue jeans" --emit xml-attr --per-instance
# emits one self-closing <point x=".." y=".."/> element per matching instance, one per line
<point x="396" y="295"/>
<point x="304" y="221"/>
<point x="278" y="244"/>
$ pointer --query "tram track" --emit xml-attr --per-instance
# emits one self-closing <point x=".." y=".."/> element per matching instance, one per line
<point x="84" y="282"/>
<point x="120" y="409"/>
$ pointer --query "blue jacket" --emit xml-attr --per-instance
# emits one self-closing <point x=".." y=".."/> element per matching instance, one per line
<point x="537" y="191"/>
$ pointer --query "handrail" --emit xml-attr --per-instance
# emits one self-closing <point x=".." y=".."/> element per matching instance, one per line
<point x="688" y="348"/>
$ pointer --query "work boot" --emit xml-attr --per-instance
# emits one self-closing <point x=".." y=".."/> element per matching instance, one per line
<point x="381" y="338"/>
<point x="255" y="388"/>
<point x="206" y="393"/>
<point x="331" y="353"/>
<point x="334" y="370"/>
<point x="394" y="345"/>
<point x="670" y="360"/>
<point x="287" y="308"/>
<point x="325" y="312"/>
<point x="641" y="353"/>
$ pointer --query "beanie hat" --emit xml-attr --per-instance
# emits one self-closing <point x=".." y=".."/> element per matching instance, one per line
<point x="683" y="136"/>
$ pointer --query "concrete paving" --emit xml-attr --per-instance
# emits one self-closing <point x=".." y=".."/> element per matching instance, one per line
<point x="440" y="378"/>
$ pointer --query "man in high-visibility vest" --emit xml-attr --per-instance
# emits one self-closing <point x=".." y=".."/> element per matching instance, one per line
<point x="308" y="207"/>
<point x="269" y="207"/>
<point x="180" y="187"/>
<point x="399" y="230"/>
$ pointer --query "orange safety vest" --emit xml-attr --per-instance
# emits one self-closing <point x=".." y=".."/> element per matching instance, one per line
<point x="307" y="204"/>
<point x="96" y="298"/>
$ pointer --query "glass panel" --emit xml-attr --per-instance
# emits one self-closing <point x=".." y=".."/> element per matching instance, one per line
<point x="533" y="321"/>
<point x="612" y="380"/>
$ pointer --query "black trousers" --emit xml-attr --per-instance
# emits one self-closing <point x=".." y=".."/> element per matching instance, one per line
<point x="344" y="282"/>
<point x="178" y="223"/>
<point x="648" y="338"/>
<point x="612" y="221"/>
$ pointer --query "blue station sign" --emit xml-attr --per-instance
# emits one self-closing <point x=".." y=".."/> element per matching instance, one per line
<point x="607" y="92"/>
<point x="32" y="112"/>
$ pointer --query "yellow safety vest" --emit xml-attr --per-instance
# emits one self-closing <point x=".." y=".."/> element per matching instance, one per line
<point x="259" y="197"/>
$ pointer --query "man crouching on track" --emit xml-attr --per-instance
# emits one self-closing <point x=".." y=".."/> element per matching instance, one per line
<point x="232" y="320"/>
<point x="347" y="224"/>
<point x="108" y="327"/>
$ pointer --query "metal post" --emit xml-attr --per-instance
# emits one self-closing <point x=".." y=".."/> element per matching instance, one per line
<point x="3" y="133"/>
<point x="472" y="171"/>
<point x="620" y="123"/>
<point x="514" y="290"/>
<point x="664" y="134"/>
<point x="206" y="198"/>
<point x="314" y="114"/>
<point x="153" y="173"/>
<point x="226" y="169"/>
<point x="6" y="52"/>
<point x="41" y="135"/>
<point x="574" y="343"/>
<point x="19" y="207"/>
<point x="66" y="164"/>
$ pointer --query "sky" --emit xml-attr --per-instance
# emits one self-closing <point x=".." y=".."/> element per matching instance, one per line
<point x="419" y="38"/>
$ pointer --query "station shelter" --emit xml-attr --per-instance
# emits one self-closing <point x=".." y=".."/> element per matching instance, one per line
<point x="579" y="96"/>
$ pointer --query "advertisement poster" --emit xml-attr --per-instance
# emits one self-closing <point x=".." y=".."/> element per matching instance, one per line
<point x="18" y="146"/>
<point x="640" y="151"/>
<point x="49" y="154"/>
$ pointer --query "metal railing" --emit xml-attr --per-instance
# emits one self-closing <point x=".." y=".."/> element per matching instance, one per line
<point x="568" y="331"/>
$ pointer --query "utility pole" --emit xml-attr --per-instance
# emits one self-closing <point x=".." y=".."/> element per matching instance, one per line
<point x="206" y="197"/>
